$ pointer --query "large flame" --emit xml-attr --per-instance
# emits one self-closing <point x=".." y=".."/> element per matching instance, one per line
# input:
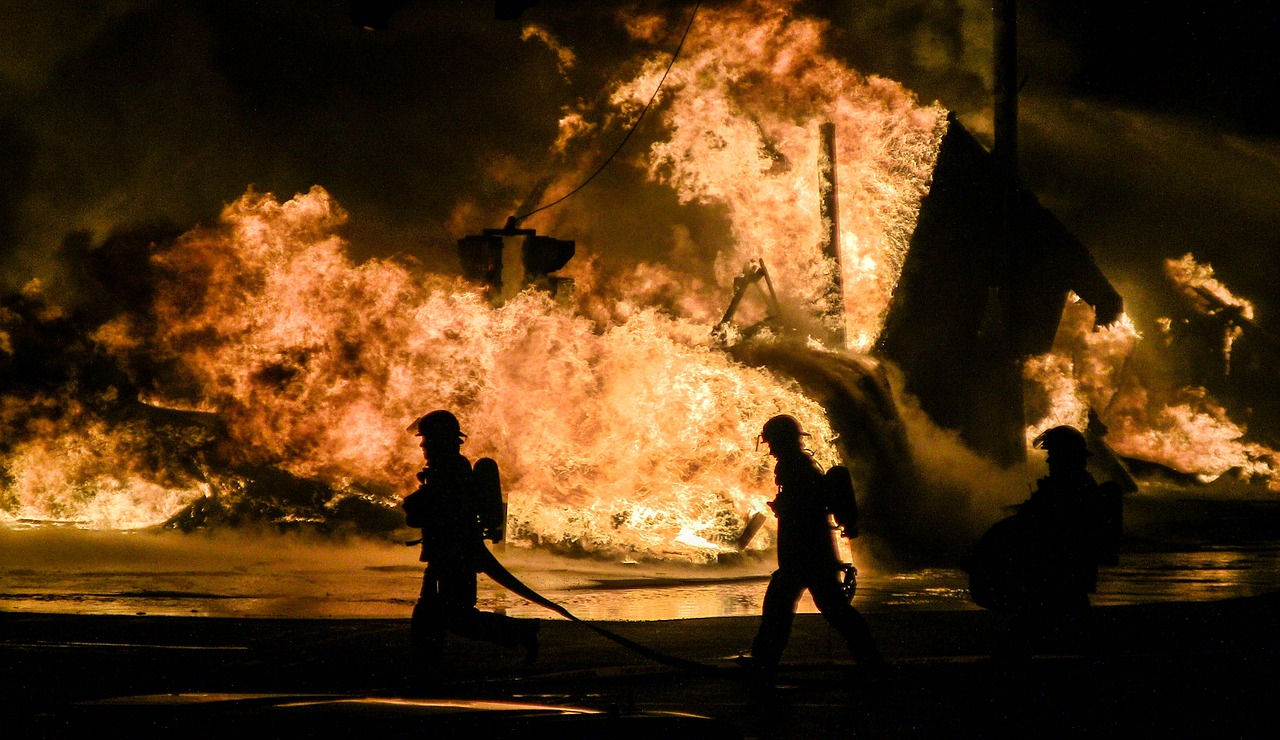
<point x="619" y="429"/>
<point x="617" y="426"/>
<point x="1148" y="416"/>
<point x="634" y="438"/>
<point x="741" y="111"/>
<point x="84" y="471"/>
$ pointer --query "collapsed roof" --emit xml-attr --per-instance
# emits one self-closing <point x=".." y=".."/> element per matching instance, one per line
<point x="972" y="303"/>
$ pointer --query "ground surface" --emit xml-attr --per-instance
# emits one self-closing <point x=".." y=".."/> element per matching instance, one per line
<point x="1173" y="670"/>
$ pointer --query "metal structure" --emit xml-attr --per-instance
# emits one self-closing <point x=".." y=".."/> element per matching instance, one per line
<point x="511" y="259"/>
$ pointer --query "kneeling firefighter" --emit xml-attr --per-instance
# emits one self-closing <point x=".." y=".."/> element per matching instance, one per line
<point x="1040" y="565"/>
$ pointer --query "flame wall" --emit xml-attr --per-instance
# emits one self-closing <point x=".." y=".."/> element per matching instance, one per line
<point x="617" y="427"/>
<point x="635" y="437"/>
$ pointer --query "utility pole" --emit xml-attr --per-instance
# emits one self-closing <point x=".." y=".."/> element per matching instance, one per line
<point x="1009" y="263"/>
<point x="1005" y="56"/>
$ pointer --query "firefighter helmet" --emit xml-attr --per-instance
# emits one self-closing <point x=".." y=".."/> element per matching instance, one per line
<point x="442" y="425"/>
<point x="781" y="428"/>
<point x="1062" y="440"/>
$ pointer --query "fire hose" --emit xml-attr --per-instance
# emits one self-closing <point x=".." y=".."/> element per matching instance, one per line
<point x="490" y="566"/>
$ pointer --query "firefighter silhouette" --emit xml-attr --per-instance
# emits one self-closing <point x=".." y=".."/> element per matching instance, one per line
<point x="452" y="508"/>
<point x="807" y="558"/>
<point x="1040" y="565"/>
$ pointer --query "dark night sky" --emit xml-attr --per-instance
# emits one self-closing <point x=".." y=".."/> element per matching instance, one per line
<point x="1145" y="125"/>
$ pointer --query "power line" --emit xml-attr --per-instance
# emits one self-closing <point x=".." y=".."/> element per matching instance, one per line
<point x="630" y="131"/>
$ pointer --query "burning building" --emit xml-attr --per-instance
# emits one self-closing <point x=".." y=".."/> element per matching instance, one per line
<point x="960" y="348"/>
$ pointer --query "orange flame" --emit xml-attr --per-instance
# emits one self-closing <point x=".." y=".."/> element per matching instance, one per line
<point x="1210" y="297"/>
<point x="1183" y="428"/>
<point x="84" y="472"/>
<point x="1197" y="282"/>
<point x="741" y="110"/>
<point x="617" y="428"/>
<point x="637" y="438"/>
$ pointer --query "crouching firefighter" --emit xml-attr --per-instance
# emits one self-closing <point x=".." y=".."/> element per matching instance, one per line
<point x="807" y="558"/>
<point x="1040" y="565"/>
<point x="457" y="508"/>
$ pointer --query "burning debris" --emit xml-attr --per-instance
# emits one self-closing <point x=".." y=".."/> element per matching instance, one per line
<point x="81" y="448"/>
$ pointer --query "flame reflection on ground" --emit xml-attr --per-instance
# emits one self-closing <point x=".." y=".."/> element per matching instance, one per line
<point x="57" y="569"/>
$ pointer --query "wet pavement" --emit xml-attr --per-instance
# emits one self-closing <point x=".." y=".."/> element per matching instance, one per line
<point x="1173" y="669"/>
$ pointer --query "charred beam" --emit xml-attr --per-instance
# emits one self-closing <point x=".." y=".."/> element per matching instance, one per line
<point x="829" y="208"/>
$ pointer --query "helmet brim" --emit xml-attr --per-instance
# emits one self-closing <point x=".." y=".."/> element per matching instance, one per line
<point x="1044" y="441"/>
<point x="415" y="427"/>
